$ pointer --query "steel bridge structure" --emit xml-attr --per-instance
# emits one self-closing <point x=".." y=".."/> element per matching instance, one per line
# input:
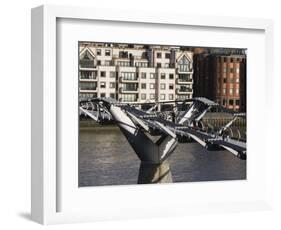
<point x="154" y="133"/>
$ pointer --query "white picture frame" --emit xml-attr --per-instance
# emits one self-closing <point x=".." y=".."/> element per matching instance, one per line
<point x="46" y="181"/>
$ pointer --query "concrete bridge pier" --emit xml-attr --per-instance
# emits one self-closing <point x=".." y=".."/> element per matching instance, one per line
<point x="150" y="173"/>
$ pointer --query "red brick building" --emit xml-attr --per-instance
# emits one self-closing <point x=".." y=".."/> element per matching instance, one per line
<point x="222" y="78"/>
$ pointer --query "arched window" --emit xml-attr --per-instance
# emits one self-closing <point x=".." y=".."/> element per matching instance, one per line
<point x="87" y="60"/>
<point x="184" y="64"/>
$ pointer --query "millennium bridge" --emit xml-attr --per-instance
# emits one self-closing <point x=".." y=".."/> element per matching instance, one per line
<point x="154" y="133"/>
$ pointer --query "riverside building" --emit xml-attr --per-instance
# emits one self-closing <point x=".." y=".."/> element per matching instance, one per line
<point x="220" y="75"/>
<point x="135" y="73"/>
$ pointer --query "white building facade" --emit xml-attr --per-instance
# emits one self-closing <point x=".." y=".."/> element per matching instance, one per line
<point x="135" y="73"/>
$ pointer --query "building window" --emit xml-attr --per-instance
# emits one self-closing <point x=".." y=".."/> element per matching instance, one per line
<point x="237" y="102"/>
<point x="230" y="102"/>
<point x="102" y="95"/>
<point x="171" y="86"/>
<point x="223" y="102"/>
<point x="87" y="75"/>
<point x="152" y="75"/>
<point x="185" y="88"/>
<point x="185" y="77"/>
<point x="143" y="85"/>
<point x="167" y="55"/>
<point x="223" y="91"/>
<point x="143" y="75"/>
<point x="87" y="61"/>
<point x="98" y="52"/>
<point x="159" y="55"/>
<point x="123" y="63"/>
<point x="123" y="54"/>
<point x="162" y="86"/>
<point x="112" y="85"/>
<point x="112" y="74"/>
<point x="162" y="96"/>
<point x="224" y="80"/>
<point x="237" y="70"/>
<point x="184" y="64"/>
<point x="128" y="76"/>
<point x="167" y="65"/>
<point x="88" y="95"/>
<point x="102" y="84"/>
<point x="130" y="87"/>
<point x="129" y="97"/>
<point x="171" y="96"/>
<point x="224" y="69"/>
<point x="231" y="70"/>
<point x="143" y="96"/>
<point x="171" y="76"/>
<point x="158" y="65"/>
<point x="107" y="63"/>
<point x="231" y="91"/>
<point x="152" y="86"/>
<point x="152" y="96"/>
<point x="88" y="85"/>
<point x="102" y="73"/>
<point x="98" y="62"/>
<point x="163" y="75"/>
<point x="112" y="95"/>
<point x="237" y="79"/>
<point x="107" y="52"/>
<point x="141" y="64"/>
<point x="237" y="91"/>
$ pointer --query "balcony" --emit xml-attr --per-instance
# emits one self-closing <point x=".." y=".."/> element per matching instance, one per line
<point x="184" y="70"/>
<point x="128" y="90"/>
<point x="88" y="90"/>
<point x="87" y="65"/>
<point x="129" y="80"/>
<point x="184" y="91"/>
<point x="133" y="100"/>
<point x="184" y="81"/>
<point x="88" y="78"/>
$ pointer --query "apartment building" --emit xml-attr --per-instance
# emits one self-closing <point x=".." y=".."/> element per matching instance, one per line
<point x="135" y="73"/>
<point x="221" y="77"/>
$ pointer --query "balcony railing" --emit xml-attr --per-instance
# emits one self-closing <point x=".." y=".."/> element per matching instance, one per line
<point x="184" y="80"/>
<point x="88" y="78"/>
<point x="128" y="90"/>
<point x="181" y="70"/>
<point x="123" y="79"/>
<point x="128" y="100"/>
<point x="184" y="91"/>
<point x="87" y="90"/>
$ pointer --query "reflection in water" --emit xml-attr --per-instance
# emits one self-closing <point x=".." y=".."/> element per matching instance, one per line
<point x="154" y="173"/>
<point x="106" y="158"/>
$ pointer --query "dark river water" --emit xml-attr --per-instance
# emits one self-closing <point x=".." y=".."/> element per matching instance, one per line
<point x="106" y="158"/>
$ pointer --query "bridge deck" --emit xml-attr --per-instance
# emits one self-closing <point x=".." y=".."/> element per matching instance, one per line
<point x="151" y="122"/>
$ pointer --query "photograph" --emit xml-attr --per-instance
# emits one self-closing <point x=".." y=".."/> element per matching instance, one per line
<point x="154" y="113"/>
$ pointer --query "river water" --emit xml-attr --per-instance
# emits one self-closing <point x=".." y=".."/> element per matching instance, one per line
<point x="106" y="158"/>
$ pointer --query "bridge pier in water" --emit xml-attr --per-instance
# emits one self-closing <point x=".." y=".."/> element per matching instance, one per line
<point x="150" y="173"/>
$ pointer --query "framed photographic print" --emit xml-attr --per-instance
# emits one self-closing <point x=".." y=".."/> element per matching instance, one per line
<point x="158" y="96"/>
<point x="143" y="114"/>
